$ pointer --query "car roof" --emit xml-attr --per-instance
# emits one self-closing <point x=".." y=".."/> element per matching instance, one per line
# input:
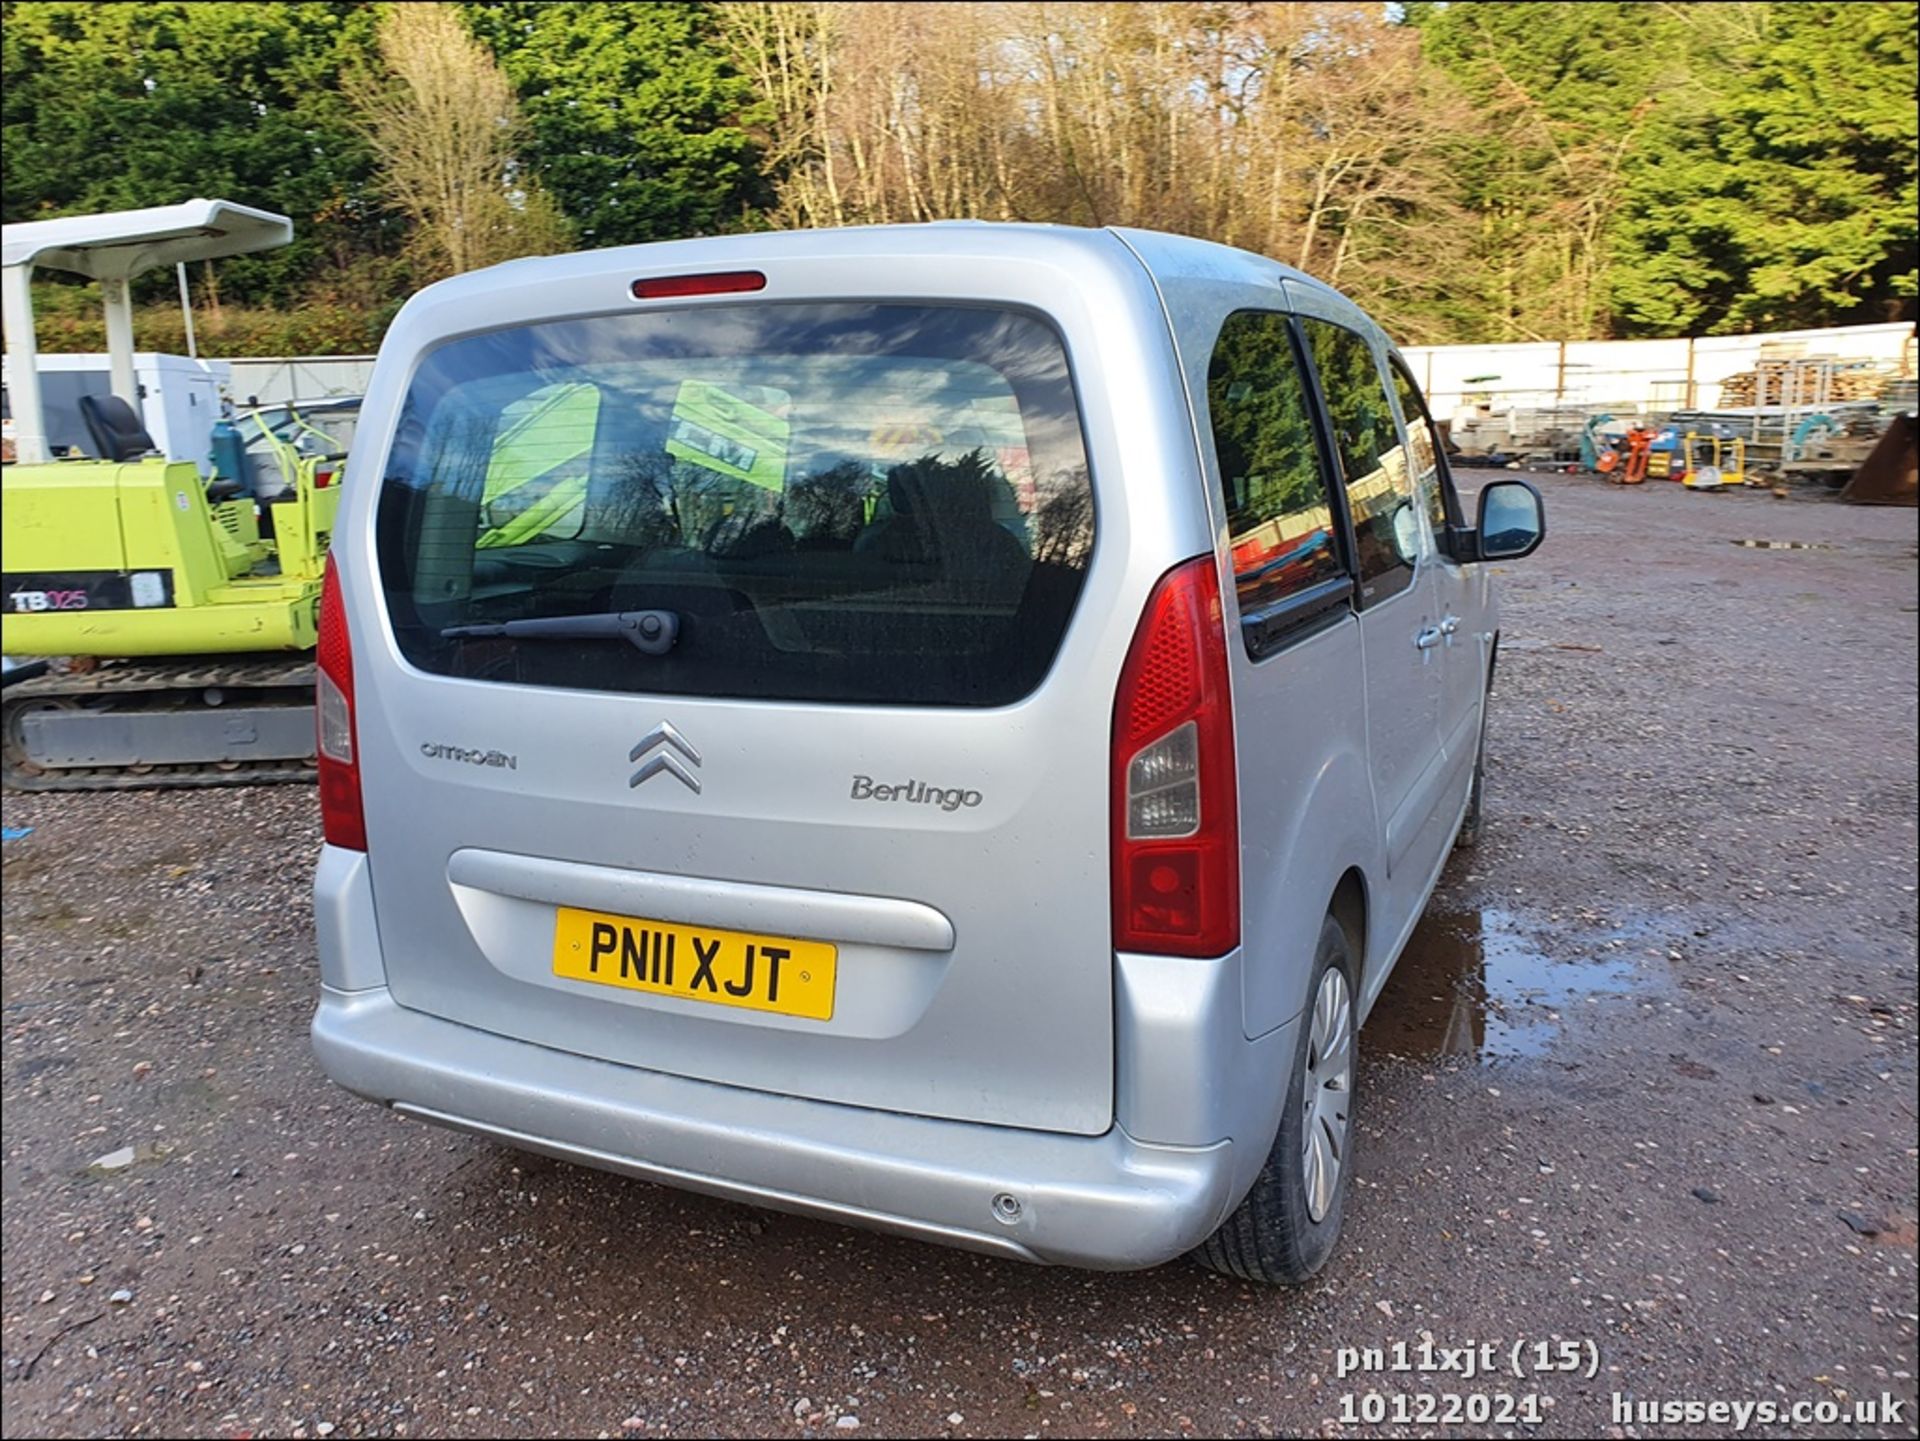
<point x="1175" y="263"/>
<point x="1165" y="255"/>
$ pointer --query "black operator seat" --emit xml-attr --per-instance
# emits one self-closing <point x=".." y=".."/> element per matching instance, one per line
<point x="118" y="435"/>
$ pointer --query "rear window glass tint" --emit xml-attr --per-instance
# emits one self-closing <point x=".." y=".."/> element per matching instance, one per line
<point x="848" y="502"/>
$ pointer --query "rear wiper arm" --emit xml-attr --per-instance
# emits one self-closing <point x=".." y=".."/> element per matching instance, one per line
<point x="651" y="631"/>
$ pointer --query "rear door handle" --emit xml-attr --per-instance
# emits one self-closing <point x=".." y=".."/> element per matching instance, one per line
<point x="1428" y="638"/>
<point x="1450" y="625"/>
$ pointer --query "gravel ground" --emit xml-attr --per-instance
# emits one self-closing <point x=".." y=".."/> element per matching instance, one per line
<point x="1645" y="1079"/>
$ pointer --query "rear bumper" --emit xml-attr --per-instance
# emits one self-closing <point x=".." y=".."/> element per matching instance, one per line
<point x="1108" y="1202"/>
<point x="1196" y="1105"/>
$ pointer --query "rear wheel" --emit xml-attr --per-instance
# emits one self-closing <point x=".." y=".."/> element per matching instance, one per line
<point x="1286" y="1228"/>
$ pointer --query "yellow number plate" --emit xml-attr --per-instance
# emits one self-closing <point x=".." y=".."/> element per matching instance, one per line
<point x="696" y="963"/>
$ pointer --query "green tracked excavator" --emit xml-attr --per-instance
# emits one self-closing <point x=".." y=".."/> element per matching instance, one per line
<point x="177" y="611"/>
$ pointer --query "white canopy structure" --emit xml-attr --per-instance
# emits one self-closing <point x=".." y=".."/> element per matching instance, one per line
<point x="112" y="249"/>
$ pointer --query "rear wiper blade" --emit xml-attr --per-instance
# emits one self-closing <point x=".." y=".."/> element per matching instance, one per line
<point x="651" y="631"/>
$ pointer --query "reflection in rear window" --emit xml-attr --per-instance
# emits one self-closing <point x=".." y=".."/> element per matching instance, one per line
<point x="878" y="503"/>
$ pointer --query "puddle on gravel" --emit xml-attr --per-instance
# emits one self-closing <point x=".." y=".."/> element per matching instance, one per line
<point x="1478" y="985"/>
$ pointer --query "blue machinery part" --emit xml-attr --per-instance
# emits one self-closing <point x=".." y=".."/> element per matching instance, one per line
<point x="1589" y="447"/>
<point x="1811" y="426"/>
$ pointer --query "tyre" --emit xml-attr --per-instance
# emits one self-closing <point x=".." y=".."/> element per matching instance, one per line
<point x="1286" y="1228"/>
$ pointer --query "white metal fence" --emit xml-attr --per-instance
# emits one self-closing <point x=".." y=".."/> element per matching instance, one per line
<point x="267" y="380"/>
<point x="1643" y="375"/>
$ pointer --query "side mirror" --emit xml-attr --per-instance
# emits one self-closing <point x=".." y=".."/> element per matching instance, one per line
<point x="1512" y="521"/>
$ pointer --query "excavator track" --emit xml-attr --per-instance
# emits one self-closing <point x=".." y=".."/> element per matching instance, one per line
<point x="93" y="730"/>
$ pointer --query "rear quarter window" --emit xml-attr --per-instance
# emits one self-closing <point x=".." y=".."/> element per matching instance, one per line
<point x="1288" y="570"/>
<point x="850" y="502"/>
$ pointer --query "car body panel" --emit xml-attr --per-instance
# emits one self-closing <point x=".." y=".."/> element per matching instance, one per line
<point x="976" y="1032"/>
<point x="989" y="1043"/>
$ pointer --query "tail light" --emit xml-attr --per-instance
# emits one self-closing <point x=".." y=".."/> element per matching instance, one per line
<point x="342" y="821"/>
<point x="1176" y="823"/>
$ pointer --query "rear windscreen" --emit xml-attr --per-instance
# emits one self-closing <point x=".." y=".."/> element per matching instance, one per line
<point x="868" y="503"/>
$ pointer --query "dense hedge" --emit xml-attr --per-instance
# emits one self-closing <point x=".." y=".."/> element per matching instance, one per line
<point x="331" y="328"/>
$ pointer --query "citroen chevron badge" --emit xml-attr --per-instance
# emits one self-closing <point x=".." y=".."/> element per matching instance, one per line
<point x="664" y="740"/>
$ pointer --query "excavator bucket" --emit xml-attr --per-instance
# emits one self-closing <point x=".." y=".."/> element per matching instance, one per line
<point x="1890" y="475"/>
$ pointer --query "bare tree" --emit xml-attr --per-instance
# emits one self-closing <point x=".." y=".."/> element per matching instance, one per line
<point x="444" y="125"/>
<point x="788" y="50"/>
<point x="1310" y="132"/>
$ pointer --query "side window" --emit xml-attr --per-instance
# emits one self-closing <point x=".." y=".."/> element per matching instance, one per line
<point x="1274" y="481"/>
<point x="1379" y="488"/>
<point x="1424" y="439"/>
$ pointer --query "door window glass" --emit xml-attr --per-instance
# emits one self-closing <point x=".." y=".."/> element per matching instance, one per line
<point x="1424" y="438"/>
<point x="1379" y="488"/>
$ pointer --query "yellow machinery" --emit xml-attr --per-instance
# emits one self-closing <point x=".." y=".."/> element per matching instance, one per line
<point x="1712" y="461"/>
<point x="184" y="606"/>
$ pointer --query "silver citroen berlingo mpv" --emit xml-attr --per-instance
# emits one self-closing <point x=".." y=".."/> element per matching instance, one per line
<point x="945" y="728"/>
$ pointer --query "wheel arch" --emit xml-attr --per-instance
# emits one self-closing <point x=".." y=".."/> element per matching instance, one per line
<point x="1348" y="906"/>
